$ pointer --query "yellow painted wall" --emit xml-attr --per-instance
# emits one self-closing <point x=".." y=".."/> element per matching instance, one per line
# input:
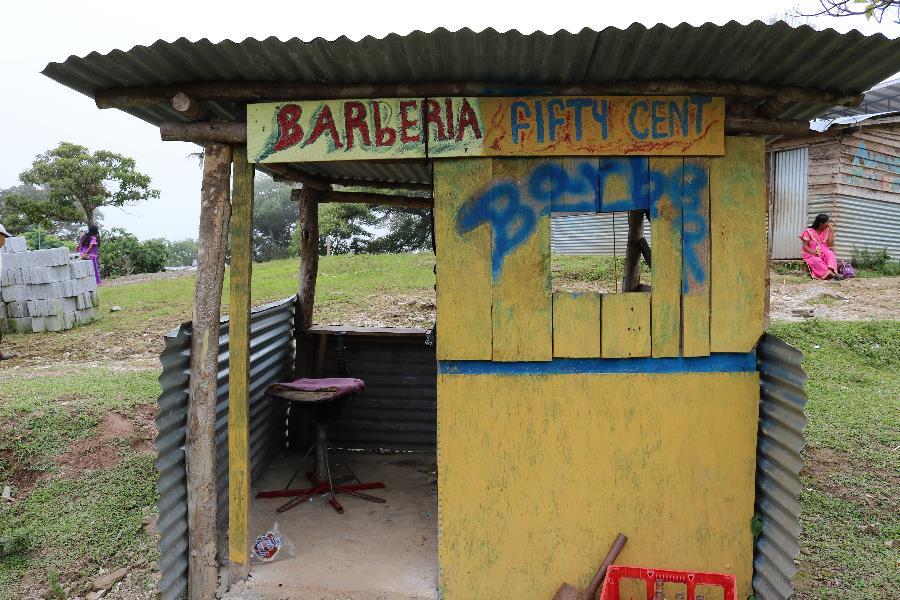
<point x="537" y="474"/>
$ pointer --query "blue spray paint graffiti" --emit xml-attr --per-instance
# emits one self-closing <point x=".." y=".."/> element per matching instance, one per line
<point x="608" y="185"/>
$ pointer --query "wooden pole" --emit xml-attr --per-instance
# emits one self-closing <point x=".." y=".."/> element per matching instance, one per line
<point x="309" y="255"/>
<point x="189" y="107"/>
<point x="203" y="132"/>
<point x="631" y="278"/>
<point x="200" y="439"/>
<point x="239" y="367"/>
<point x="368" y="198"/>
<point x="258" y="91"/>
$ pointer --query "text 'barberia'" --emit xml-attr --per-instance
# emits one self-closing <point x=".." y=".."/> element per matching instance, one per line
<point x="396" y="128"/>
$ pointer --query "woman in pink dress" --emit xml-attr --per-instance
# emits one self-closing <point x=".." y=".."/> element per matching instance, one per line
<point x="89" y="249"/>
<point x="817" y="242"/>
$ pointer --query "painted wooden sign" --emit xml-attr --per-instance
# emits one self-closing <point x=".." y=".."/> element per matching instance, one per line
<point x="316" y="131"/>
<point x="399" y="128"/>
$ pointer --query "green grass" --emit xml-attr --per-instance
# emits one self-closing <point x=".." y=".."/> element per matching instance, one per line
<point x="72" y="525"/>
<point x="600" y="270"/>
<point x="853" y="465"/>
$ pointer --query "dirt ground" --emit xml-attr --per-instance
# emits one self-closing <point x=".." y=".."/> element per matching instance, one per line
<point x="849" y="300"/>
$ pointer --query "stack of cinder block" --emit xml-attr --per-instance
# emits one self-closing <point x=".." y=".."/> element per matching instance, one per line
<point x="43" y="290"/>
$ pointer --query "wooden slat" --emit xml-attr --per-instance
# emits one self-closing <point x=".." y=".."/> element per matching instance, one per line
<point x="239" y="366"/>
<point x="665" y="269"/>
<point x="738" y="245"/>
<point x="522" y="304"/>
<point x="623" y="183"/>
<point x="626" y="325"/>
<point x="463" y="261"/>
<point x="574" y="185"/>
<point x="576" y="325"/>
<point x="695" y="232"/>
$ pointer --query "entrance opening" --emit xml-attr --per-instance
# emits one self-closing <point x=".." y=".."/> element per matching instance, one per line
<point x="384" y="434"/>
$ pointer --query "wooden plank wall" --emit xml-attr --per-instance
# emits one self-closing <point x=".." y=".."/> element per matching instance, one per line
<point x="492" y="229"/>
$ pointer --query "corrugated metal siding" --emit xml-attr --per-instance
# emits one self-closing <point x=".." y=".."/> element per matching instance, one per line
<point x="271" y="359"/>
<point x="398" y="409"/>
<point x="778" y="463"/>
<point x="789" y="206"/>
<point x="591" y="234"/>
<point x="860" y="223"/>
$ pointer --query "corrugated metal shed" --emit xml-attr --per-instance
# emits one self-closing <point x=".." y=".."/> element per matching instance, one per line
<point x="778" y="463"/>
<point x="271" y="359"/>
<point x="881" y="98"/>
<point x="860" y="223"/>
<point x="591" y="234"/>
<point x="789" y="203"/>
<point x="775" y="55"/>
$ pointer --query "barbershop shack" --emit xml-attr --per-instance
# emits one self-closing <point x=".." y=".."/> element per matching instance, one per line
<point x="555" y="420"/>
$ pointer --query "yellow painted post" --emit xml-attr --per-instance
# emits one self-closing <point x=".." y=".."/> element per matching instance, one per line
<point x="576" y="325"/>
<point x="695" y="299"/>
<point x="463" y="262"/>
<point x="665" y="267"/>
<point x="239" y="367"/>
<point x="738" y="245"/>
<point x="626" y="325"/>
<point x="522" y="304"/>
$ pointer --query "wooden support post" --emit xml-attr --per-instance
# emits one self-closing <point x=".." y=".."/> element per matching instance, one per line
<point x="188" y="107"/>
<point x="309" y="256"/>
<point x="770" y="211"/>
<point x="200" y="439"/>
<point x="631" y="278"/>
<point x="239" y="367"/>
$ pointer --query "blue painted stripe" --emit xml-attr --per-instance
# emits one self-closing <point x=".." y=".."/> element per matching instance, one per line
<point x="714" y="363"/>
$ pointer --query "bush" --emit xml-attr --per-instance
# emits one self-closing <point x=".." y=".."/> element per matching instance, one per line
<point x="878" y="261"/>
<point x="121" y="253"/>
<point x="38" y="240"/>
<point x="182" y="253"/>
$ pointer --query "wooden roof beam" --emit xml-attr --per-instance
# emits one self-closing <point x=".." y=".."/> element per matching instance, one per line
<point x="261" y="91"/>
<point x="370" y="198"/>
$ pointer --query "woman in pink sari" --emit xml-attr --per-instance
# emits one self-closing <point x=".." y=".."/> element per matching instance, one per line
<point x="817" y="241"/>
<point x="89" y="249"/>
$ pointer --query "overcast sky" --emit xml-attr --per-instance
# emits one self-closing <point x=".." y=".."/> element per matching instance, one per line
<point x="38" y="113"/>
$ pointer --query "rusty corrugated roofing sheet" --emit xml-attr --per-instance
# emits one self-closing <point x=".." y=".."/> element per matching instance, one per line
<point x="776" y="55"/>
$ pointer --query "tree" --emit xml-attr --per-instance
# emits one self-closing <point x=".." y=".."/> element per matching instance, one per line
<point x="409" y="229"/>
<point x="275" y="218"/>
<point x="121" y="253"/>
<point x="341" y="227"/>
<point x="182" y="253"/>
<point x="28" y="208"/>
<point x="77" y="179"/>
<point x="851" y="8"/>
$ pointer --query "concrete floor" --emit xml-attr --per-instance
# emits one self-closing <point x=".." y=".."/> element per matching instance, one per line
<point x="371" y="552"/>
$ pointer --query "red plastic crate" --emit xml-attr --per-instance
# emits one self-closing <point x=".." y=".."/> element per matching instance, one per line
<point x="615" y="575"/>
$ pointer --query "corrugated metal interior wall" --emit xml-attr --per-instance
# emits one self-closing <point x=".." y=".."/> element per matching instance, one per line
<point x="789" y="202"/>
<point x="398" y="409"/>
<point x="860" y="223"/>
<point x="591" y="234"/>
<point x="271" y="359"/>
<point x="778" y="462"/>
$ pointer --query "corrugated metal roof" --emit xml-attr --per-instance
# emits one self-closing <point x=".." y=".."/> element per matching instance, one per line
<point x="883" y="97"/>
<point x="778" y="463"/>
<point x="876" y="118"/>
<point x="758" y="53"/>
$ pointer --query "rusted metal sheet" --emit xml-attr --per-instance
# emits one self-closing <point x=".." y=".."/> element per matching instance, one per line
<point x="789" y="202"/>
<point x="271" y="359"/>
<point x="778" y="463"/>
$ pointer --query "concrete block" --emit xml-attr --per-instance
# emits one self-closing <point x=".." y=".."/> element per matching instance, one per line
<point x="18" y="309"/>
<point x="50" y="257"/>
<point x="85" y="300"/>
<point x="8" y="293"/>
<point x="53" y="323"/>
<point x="47" y="291"/>
<point x="14" y="244"/>
<point x="19" y="325"/>
<point x="49" y="308"/>
<point x="14" y="276"/>
<point x="85" y="316"/>
<point x="49" y="274"/>
<point x="16" y="260"/>
<point x="3" y="313"/>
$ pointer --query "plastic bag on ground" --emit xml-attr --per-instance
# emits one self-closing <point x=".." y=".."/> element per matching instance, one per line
<point x="271" y="545"/>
